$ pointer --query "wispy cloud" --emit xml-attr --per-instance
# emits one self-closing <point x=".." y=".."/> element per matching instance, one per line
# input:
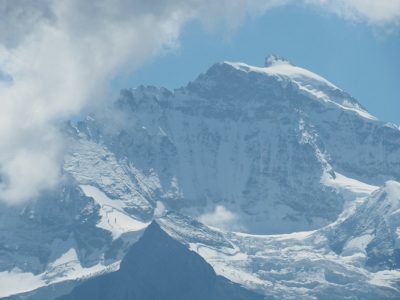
<point x="373" y="12"/>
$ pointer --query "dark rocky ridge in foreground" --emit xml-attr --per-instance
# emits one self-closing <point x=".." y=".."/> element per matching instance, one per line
<point x="158" y="267"/>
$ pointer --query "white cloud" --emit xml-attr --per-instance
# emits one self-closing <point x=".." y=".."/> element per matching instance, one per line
<point x="56" y="57"/>
<point x="58" y="64"/>
<point x="221" y="218"/>
<point x="61" y="55"/>
<point x="374" y="12"/>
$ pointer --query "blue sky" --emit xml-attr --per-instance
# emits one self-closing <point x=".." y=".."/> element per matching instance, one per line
<point x="361" y="59"/>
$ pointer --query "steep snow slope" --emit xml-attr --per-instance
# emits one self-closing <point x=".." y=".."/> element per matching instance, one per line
<point x="113" y="216"/>
<point x="93" y="164"/>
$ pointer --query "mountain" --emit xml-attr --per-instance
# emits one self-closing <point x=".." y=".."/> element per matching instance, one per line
<point x="254" y="141"/>
<point x="159" y="267"/>
<point x="278" y="179"/>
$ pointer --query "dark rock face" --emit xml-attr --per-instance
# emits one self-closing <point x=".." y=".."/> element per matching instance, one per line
<point x="159" y="267"/>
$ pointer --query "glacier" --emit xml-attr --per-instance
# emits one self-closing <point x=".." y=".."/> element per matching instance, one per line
<point x="282" y="182"/>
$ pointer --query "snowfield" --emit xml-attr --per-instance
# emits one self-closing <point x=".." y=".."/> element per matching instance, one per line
<point x="113" y="216"/>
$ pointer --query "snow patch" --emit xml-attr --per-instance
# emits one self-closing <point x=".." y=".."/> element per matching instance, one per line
<point x="15" y="281"/>
<point x="66" y="267"/>
<point x="386" y="278"/>
<point x="67" y="257"/>
<point x="300" y="235"/>
<point x="113" y="216"/>
<point x="282" y="68"/>
<point x="357" y="244"/>
<point x="349" y="187"/>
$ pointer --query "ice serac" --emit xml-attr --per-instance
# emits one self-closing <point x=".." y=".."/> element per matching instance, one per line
<point x="250" y="143"/>
<point x="158" y="267"/>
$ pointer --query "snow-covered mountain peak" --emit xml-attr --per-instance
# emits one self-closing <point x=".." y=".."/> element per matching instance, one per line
<point x="281" y="76"/>
<point x="280" y="67"/>
<point x="224" y="146"/>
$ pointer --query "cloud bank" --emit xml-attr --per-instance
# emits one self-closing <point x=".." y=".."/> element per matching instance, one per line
<point x="373" y="12"/>
<point x="57" y="57"/>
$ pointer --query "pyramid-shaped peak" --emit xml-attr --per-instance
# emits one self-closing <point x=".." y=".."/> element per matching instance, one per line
<point x="273" y="59"/>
